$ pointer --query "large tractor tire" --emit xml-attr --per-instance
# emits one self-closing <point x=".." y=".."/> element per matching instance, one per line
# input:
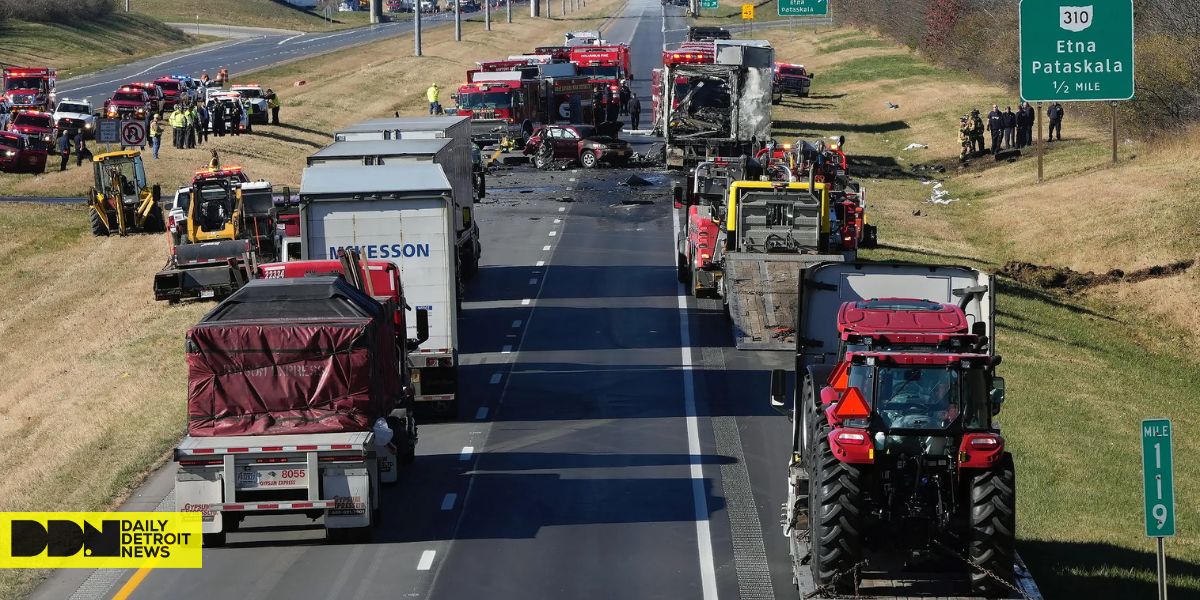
<point x="98" y="227"/>
<point x="993" y="528"/>
<point x="809" y="413"/>
<point x="835" y="519"/>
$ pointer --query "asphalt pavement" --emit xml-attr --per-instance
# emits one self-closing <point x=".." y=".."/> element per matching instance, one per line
<point x="245" y="52"/>
<point x="611" y="443"/>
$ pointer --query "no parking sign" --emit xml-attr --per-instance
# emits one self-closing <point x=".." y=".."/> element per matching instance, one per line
<point x="133" y="133"/>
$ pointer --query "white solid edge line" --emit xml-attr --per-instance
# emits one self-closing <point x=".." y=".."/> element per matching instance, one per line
<point x="449" y="500"/>
<point x="426" y="560"/>
<point x="466" y="453"/>
<point x="289" y="39"/>
<point x="708" y="570"/>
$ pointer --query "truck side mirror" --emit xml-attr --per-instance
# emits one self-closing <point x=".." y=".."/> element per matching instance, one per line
<point x="422" y="329"/>
<point x="997" y="394"/>
<point x="778" y="391"/>
<point x="677" y="195"/>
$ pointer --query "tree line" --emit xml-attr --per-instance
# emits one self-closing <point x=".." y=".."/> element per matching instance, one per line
<point x="981" y="36"/>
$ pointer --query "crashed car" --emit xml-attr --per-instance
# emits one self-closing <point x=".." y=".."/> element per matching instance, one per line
<point x="584" y="144"/>
<point x="18" y="155"/>
<point x="39" y="126"/>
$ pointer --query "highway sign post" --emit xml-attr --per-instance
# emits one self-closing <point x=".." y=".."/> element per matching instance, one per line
<point x="1158" y="485"/>
<point x="803" y="8"/>
<point x="1076" y="53"/>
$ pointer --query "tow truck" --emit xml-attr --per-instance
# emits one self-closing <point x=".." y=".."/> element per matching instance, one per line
<point x="30" y="88"/>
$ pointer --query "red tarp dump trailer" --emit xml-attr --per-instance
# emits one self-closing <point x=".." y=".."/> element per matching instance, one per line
<point x="292" y="356"/>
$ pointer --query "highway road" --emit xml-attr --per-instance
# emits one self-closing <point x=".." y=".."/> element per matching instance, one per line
<point x="611" y="444"/>
<point x="246" y="53"/>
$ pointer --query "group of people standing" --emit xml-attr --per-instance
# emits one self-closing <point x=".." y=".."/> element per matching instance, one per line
<point x="608" y="105"/>
<point x="68" y="141"/>
<point x="1009" y="130"/>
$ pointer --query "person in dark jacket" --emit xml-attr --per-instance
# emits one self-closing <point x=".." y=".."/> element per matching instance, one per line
<point x="1025" y="118"/>
<point x="625" y="95"/>
<point x="64" y="149"/>
<point x="1010" y="128"/>
<point x="81" y="150"/>
<point x="597" y="105"/>
<point x="218" y="119"/>
<point x="1055" y="113"/>
<point x="635" y="110"/>
<point x="995" y="126"/>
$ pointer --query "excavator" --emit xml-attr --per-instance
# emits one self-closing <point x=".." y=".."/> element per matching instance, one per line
<point x="120" y="201"/>
<point x="230" y="228"/>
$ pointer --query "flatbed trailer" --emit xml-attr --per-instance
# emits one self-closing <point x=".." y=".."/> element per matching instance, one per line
<point x="760" y="290"/>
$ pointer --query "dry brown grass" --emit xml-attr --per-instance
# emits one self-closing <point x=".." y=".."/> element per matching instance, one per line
<point x="94" y="375"/>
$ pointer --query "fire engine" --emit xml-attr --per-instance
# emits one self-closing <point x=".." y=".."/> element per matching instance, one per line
<point x="28" y="88"/>
<point x="603" y="64"/>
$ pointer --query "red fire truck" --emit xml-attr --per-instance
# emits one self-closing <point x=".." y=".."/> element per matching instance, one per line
<point x="686" y="53"/>
<point x="27" y="88"/>
<point x="603" y="64"/>
<point x="499" y="102"/>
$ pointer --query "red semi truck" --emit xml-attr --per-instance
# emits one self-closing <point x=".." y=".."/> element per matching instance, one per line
<point x="27" y="88"/>
<point x="297" y="403"/>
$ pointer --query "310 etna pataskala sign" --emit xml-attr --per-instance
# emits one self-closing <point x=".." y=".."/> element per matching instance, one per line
<point x="1074" y="52"/>
<point x="803" y="8"/>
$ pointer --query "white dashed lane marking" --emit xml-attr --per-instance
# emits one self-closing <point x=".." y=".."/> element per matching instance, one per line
<point x="466" y="453"/>
<point x="495" y="379"/>
<point x="426" y="560"/>
<point x="481" y="414"/>
<point x="448" y="501"/>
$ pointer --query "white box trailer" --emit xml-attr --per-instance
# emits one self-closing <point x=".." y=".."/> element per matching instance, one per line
<point x="460" y="149"/>
<point x="403" y="213"/>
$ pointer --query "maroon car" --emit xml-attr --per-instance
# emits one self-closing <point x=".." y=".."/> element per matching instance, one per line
<point x="37" y="125"/>
<point x="587" y="145"/>
<point x="17" y="155"/>
<point x="127" y="103"/>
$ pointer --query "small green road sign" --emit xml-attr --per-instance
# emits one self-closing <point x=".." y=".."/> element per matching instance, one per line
<point x="1158" y="477"/>
<point x="1074" y="53"/>
<point x="709" y="3"/>
<point x="803" y="8"/>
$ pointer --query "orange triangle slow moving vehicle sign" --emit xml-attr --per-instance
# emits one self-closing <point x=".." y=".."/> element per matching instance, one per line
<point x="852" y="405"/>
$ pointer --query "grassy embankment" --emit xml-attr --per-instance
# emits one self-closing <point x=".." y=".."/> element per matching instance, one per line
<point x="94" y="372"/>
<point x="274" y="14"/>
<point x="86" y="47"/>
<point x="1083" y="365"/>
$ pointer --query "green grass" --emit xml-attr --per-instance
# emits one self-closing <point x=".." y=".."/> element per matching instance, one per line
<point x="84" y="47"/>
<point x="1082" y="371"/>
<point x="249" y="13"/>
<point x="872" y="68"/>
<point x="852" y="43"/>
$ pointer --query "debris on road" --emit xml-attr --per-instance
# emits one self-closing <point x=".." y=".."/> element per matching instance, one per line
<point x="635" y="181"/>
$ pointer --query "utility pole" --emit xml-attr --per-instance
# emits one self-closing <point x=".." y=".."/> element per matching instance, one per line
<point x="534" y="8"/>
<point x="549" y="13"/>
<point x="126" y="5"/>
<point x="416" y="27"/>
<point x="457" y="22"/>
<point x="564" y="7"/>
<point x="508" y="10"/>
<point x="487" y="14"/>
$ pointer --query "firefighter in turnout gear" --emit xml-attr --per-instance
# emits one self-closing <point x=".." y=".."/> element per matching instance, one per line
<point x="964" y="138"/>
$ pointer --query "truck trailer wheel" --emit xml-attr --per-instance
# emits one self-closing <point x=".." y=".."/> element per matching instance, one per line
<point x="993" y="527"/>
<point x="835" y="518"/>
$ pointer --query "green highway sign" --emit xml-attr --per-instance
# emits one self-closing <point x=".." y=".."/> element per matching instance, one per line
<point x="803" y="8"/>
<point x="1158" y="477"/>
<point x="1073" y="53"/>
<point x="708" y="3"/>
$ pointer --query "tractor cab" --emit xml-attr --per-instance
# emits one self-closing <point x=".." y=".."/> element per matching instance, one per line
<point x="121" y="199"/>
